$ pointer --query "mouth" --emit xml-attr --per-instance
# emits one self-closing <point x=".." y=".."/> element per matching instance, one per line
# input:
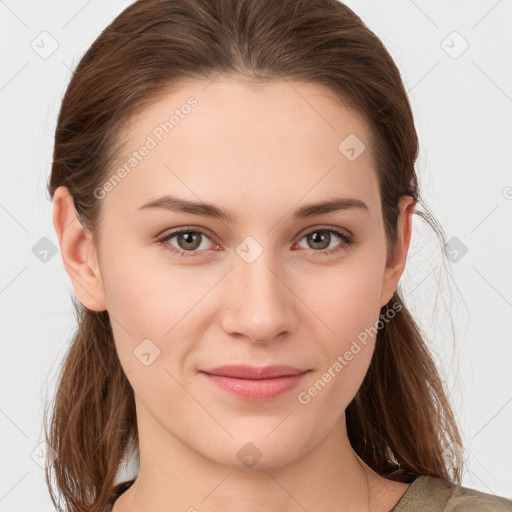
<point x="255" y="373"/>
<point x="254" y="383"/>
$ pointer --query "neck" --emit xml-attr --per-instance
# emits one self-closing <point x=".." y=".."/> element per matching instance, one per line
<point x="173" y="476"/>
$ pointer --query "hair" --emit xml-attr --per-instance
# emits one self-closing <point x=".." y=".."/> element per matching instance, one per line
<point x="400" y="422"/>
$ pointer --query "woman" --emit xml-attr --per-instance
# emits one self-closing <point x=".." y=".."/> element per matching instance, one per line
<point x="233" y="186"/>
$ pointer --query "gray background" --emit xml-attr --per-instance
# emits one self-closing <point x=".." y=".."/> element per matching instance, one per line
<point x="462" y="101"/>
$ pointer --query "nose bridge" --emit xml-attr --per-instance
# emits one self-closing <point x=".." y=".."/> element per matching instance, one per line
<point x="259" y="304"/>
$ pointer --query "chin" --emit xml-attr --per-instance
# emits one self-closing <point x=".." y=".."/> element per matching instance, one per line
<point x="257" y="452"/>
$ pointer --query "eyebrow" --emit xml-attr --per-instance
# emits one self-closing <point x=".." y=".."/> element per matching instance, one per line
<point x="203" y="209"/>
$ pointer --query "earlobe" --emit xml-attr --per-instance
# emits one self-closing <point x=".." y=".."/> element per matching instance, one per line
<point x="78" y="252"/>
<point x="396" y="264"/>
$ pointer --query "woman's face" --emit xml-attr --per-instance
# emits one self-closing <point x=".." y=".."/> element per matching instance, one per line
<point x="266" y="282"/>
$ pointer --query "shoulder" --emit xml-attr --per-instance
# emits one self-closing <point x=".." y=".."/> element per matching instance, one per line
<point x="436" y="495"/>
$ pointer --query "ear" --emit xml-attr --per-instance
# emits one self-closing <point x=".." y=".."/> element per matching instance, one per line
<point x="78" y="252"/>
<point x="396" y="263"/>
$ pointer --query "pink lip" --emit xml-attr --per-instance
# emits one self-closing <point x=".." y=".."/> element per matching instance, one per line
<point x="256" y="383"/>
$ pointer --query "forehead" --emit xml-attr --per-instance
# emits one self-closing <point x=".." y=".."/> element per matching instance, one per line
<point x="246" y="143"/>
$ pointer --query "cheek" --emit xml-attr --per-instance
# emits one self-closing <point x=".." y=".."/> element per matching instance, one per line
<point x="148" y="297"/>
<point x="348" y="302"/>
<point x="345" y="357"/>
<point x="156" y="301"/>
<point x="347" y="297"/>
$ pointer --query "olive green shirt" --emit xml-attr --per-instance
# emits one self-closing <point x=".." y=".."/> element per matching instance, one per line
<point x="425" y="494"/>
<point x="428" y="494"/>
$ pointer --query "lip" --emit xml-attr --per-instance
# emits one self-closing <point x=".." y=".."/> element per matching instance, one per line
<point x="254" y="372"/>
<point x="255" y="383"/>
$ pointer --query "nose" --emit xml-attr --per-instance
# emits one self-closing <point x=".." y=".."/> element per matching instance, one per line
<point x="259" y="303"/>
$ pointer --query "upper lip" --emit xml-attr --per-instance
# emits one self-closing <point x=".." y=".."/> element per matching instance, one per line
<point x="253" y="372"/>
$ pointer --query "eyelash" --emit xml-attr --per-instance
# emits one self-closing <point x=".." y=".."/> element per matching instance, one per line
<point x="347" y="241"/>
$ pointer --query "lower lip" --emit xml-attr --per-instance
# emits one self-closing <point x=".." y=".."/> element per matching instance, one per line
<point x="261" y="389"/>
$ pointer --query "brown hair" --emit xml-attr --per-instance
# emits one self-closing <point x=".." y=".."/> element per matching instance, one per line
<point x="400" y="422"/>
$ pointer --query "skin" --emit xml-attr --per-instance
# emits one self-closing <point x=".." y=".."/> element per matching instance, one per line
<point x="260" y="152"/>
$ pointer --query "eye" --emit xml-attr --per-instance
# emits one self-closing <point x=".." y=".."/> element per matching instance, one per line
<point x="320" y="239"/>
<point x="189" y="241"/>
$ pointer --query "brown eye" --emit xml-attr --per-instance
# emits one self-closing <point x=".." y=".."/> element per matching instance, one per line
<point x="319" y="239"/>
<point x="189" y="240"/>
